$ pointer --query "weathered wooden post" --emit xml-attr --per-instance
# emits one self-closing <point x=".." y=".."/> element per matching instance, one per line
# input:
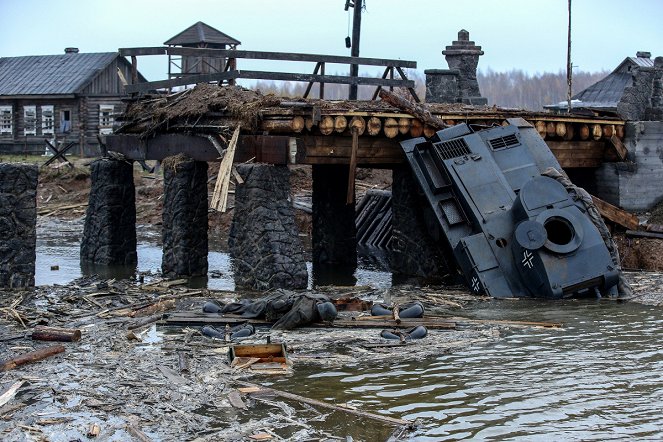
<point x="264" y="244"/>
<point x="184" y="217"/>
<point x="18" y="219"/>
<point x="109" y="233"/>
<point x="334" y="230"/>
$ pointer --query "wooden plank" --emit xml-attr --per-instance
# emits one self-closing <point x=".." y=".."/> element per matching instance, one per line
<point x="350" y="197"/>
<point x="263" y="75"/>
<point x="267" y="55"/>
<point x="616" y="215"/>
<point x="620" y="149"/>
<point x="271" y="149"/>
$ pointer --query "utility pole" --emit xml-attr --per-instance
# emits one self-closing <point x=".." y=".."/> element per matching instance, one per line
<point x="569" y="66"/>
<point x="354" y="51"/>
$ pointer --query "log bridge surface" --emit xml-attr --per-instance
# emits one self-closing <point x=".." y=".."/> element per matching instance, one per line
<point x="320" y="132"/>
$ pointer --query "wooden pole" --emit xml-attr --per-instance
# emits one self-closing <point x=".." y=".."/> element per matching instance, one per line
<point x="354" y="51"/>
<point x="353" y="166"/>
<point x="569" y="66"/>
<point x="413" y="109"/>
<point x="32" y="356"/>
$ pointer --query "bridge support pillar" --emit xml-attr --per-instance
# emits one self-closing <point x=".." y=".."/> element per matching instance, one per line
<point x="263" y="240"/>
<point x="18" y="219"/>
<point x="109" y="233"/>
<point x="184" y="217"/>
<point x="414" y="252"/>
<point x="334" y="230"/>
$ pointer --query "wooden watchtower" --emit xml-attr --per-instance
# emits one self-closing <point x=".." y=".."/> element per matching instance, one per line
<point x="198" y="35"/>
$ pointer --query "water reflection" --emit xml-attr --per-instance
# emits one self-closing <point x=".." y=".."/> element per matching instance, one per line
<point x="598" y="378"/>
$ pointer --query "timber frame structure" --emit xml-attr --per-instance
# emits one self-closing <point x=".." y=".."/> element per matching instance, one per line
<point x="231" y="73"/>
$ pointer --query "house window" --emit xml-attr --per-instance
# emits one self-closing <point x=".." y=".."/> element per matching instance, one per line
<point x="47" y="120"/>
<point x="65" y="121"/>
<point x="30" y="120"/>
<point x="106" y="119"/>
<point x="6" y="120"/>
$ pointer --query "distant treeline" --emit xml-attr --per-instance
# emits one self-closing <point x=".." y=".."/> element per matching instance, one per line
<point x="515" y="89"/>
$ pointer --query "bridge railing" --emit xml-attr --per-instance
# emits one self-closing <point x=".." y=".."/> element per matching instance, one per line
<point x="393" y="68"/>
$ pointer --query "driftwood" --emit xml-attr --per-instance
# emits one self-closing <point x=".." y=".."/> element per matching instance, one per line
<point x="32" y="356"/>
<point x="385" y="419"/>
<point x="159" y="306"/>
<point x="416" y="110"/>
<point x="43" y="333"/>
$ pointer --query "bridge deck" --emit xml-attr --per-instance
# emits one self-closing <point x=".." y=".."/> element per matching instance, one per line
<point x="278" y="131"/>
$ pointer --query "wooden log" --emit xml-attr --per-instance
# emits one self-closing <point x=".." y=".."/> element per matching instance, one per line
<point x="159" y="306"/>
<point x="277" y="126"/>
<point x="340" y="123"/>
<point x="390" y="127"/>
<point x="570" y="131"/>
<point x="32" y="356"/>
<point x="416" y="128"/>
<point x="350" y="197"/>
<point x="358" y="123"/>
<point x="374" y="126"/>
<point x="326" y="125"/>
<point x="550" y="129"/>
<point x="183" y="362"/>
<point x="584" y="132"/>
<point x="429" y="131"/>
<point x="597" y="132"/>
<point x="619" y="129"/>
<point x="449" y="122"/>
<point x="560" y="130"/>
<point x="541" y="128"/>
<point x="414" y="109"/>
<point x="298" y="124"/>
<point x="397" y="317"/>
<point x="43" y="333"/>
<point x="404" y="125"/>
<point x="145" y="321"/>
<point x="608" y="131"/>
<point x="308" y="124"/>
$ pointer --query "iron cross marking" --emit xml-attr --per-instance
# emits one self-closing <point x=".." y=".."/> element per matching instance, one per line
<point x="475" y="283"/>
<point x="527" y="259"/>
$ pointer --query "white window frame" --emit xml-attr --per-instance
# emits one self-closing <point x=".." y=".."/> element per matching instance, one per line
<point x="47" y="120"/>
<point x="30" y="129"/>
<point x="6" y="120"/>
<point x="106" y="118"/>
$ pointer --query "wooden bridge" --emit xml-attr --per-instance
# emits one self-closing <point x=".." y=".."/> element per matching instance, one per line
<point x="320" y="132"/>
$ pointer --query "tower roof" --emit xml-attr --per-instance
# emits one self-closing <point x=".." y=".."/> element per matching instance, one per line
<point x="201" y="33"/>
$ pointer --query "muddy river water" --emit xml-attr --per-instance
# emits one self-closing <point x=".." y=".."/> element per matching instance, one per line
<point x="600" y="377"/>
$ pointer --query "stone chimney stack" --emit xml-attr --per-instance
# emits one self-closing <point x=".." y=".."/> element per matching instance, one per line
<point x="458" y="84"/>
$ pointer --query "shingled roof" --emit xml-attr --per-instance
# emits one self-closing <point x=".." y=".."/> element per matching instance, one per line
<point x="201" y="33"/>
<point x="51" y="74"/>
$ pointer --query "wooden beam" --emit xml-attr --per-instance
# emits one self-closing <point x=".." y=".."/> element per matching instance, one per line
<point x="260" y="75"/>
<point x="264" y="148"/>
<point x="266" y="55"/>
<point x="616" y="215"/>
<point x="621" y="150"/>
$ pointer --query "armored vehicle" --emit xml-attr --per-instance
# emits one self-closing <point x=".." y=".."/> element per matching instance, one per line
<point x="513" y="231"/>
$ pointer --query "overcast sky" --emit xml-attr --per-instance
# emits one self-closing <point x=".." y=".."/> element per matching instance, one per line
<point x="515" y="34"/>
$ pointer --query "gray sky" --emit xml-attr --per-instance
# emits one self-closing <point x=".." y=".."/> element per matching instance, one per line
<point x="515" y="34"/>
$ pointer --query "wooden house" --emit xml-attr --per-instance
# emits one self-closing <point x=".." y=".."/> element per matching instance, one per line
<point x="72" y="97"/>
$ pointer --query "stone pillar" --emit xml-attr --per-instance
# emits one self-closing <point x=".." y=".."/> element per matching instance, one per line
<point x="414" y="252"/>
<point x="18" y="219"/>
<point x="334" y="231"/>
<point x="442" y="86"/>
<point x="263" y="240"/>
<point x="109" y="233"/>
<point x="184" y="217"/>
<point x="463" y="56"/>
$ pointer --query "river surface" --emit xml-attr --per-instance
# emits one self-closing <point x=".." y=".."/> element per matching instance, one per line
<point x="600" y="377"/>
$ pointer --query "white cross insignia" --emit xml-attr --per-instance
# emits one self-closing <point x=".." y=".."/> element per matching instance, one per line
<point x="475" y="283"/>
<point x="527" y="259"/>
